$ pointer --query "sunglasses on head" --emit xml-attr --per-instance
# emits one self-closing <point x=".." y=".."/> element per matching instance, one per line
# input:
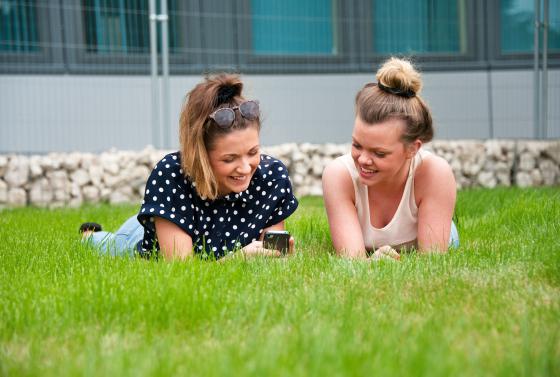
<point x="225" y="116"/>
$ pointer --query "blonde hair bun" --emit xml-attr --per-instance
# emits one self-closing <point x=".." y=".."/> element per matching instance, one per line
<point x="399" y="74"/>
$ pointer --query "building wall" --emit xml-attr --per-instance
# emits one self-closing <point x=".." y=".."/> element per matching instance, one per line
<point x="42" y="113"/>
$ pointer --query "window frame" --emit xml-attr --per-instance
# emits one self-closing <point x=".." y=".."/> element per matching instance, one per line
<point x="497" y="58"/>
<point x="49" y="59"/>
<point x="345" y="61"/>
<point x="80" y="61"/>
<point x="471" y="59"/>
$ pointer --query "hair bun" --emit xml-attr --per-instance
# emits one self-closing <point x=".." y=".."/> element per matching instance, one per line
<point x="228" y="91"/>
<point x="399" y="75"/>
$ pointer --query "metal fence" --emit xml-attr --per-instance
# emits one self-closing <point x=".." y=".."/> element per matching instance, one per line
<point x="79" y="75"/>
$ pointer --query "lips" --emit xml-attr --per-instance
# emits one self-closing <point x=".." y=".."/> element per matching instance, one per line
<point x="367" y="173"/>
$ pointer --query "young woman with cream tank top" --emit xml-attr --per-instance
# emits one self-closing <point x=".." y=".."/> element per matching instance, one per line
<point x="389" y="192"/>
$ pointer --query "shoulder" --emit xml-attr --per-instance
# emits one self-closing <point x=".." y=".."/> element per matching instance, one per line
<point x="337" y="172"/>
<point x="434" y="176"/>
<point x="170" y="163"/>
<point x="271" y="168"/>
<point x="336" y="168"/>
<point x="337" y="178"/>
<point x="168" y="174"/>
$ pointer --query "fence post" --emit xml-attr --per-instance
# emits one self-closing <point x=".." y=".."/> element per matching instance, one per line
<point x="536" y="73"/>
<point x="154" y="74"/>
<point x="544" y="87"/>
<point x="164" y="18"/>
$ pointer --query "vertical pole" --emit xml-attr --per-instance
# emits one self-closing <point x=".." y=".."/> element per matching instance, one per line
<point x="536" y="79"/>
<point x="544" y="87"/>
<point x="154" y="75"/>
<point x="164" y="18"/>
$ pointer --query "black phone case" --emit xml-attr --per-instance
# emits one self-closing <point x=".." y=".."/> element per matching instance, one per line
<point x="277" y="241"/>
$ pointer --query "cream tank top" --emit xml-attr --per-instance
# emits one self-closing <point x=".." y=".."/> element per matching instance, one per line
<point x="402" y="230"/>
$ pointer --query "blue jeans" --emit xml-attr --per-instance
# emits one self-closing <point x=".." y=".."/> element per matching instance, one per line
<point x="121" y="243"/>
<point x="454" y="237"/>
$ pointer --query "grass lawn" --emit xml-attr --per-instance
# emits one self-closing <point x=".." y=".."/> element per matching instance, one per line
<point x="492" y="307"/>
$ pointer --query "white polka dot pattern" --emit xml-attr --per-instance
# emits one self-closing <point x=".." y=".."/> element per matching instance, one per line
<point x="222" y="224"/>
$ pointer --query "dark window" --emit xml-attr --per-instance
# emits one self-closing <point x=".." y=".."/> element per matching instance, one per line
<point x="419" y="26"/>
<point x="293" y="27"/>
<point x="122" y="26"/>
<point x="518" y="26"/>
<point x="18" y="26"/>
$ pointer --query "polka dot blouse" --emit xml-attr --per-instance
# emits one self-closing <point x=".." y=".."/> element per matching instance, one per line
<point x="215" y="226"/>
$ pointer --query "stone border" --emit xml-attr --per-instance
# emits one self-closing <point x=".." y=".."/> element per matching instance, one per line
<point x="70" y="179"/>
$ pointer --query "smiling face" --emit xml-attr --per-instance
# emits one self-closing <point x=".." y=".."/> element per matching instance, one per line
<point x="378" y="152"/>
<point x="234" y="158"/>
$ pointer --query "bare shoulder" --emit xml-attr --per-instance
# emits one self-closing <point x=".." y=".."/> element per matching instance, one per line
<point x="433" y="177"/>
<point x="433" y="166"/>
<point x="336" y="179"/>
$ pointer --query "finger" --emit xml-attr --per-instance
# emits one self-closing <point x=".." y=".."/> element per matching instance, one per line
<point x="291" y="244"/>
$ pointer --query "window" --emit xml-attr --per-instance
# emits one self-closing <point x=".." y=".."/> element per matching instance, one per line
<point x="518" y="26"/>
<point x="293" y="27"/>
<point x="18" y="26"/>
<point x="122" y="26"/>
<point x="419" y="27"/>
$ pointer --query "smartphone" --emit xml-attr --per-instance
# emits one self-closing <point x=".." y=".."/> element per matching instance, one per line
<point x="277" y="240"/>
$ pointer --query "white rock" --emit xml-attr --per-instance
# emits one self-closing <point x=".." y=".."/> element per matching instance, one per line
<point x="40" y="193"/>
<point x="471" y="168"/>
<point x="536" y="177"/>
<point x="17" y="197"/>
<point x="71" y="162"/>
<point x="550" y="172"/>
<point x="95" y="174"/>
<point x="113" y="181"/>
<point x="523" y="179"/>
<point x="526" y="161"/>
<point x="486" y="179"/>
<point x="17" y="171"/>
<point x="80" y="177"/>
<point x="75" y="190"/>
<point x="315" y="190"/>
<point x="503" y="178"/>
<point x="58" y="179"/>
<point x="105" y="193"/>
<point x="3" y="191"/>
<point x="3" y="164"/>
<point x="49" y="163"/>
<point x="91" y="193"/>
<point x="110" y="163"/>
<point x="75" y="202"/>
<point x="552" y="150"/>
<point x="118" y="197"/>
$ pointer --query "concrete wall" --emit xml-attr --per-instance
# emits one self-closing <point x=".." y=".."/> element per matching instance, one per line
<point x="40" y="113"/>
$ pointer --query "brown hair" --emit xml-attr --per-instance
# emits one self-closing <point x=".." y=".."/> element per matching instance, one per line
<point x="197" y="132"/>
<point x="396" y="96"/>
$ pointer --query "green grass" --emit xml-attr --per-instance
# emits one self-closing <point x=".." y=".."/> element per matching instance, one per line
<point x="492" y="307"/>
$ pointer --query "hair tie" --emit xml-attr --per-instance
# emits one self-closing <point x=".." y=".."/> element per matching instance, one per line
<point x="402" y="93"/>
<point x="226" y="93"/>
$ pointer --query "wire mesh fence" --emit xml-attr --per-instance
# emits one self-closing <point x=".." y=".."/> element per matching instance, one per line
<point x="75" y="74"/>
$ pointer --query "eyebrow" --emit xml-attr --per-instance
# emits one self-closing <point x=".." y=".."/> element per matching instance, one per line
<point x="376" y="149"/>
<point x="235" y="154"/>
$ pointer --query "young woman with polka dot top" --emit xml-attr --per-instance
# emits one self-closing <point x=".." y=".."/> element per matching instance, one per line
<point x="217" y="194"/>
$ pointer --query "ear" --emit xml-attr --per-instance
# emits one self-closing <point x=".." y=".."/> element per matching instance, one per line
<point x="412" y="148"/>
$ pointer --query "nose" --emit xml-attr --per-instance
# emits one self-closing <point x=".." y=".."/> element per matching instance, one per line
<point x="244" y="167"/>
<point x="365" y="159"/>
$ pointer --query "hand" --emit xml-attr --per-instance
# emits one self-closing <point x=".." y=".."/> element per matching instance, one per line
<point x="386" y="252"/>
<point x="256" y="248"/>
